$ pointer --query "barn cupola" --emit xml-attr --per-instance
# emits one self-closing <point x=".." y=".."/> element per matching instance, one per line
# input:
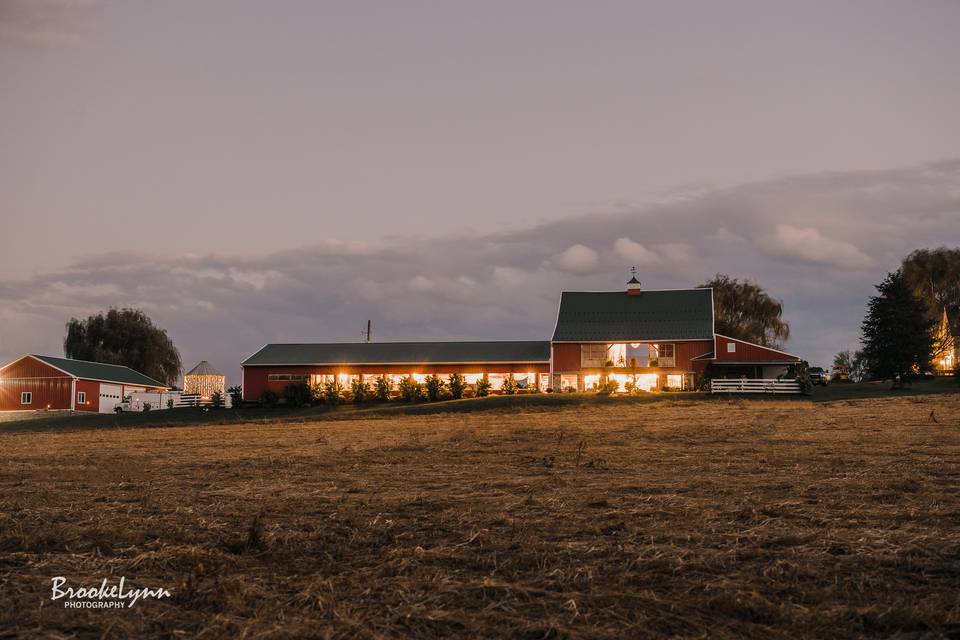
<point x="633" y="286"/>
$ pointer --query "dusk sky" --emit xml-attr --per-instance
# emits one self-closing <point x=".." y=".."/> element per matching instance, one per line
<point x="252" y="172"/>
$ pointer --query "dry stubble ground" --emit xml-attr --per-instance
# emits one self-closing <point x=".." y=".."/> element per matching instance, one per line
<point x="685" y="518"/>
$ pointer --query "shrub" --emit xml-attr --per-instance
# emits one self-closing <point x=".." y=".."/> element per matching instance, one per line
<point x="434" y="387"/>
<point x="216" y="400"/>
<point x="410" y="389"/>
<point x="803" y="377"/>
<point x="509" y="386"/>
<point x="456" y="383"/>
<point x="147" y="406"/>
<point x="360" y="390"/>
<point x="607" y="387"/>
<point x="333" y="392"/>
<point x="268" y="398"/>
<point x="483" y="386"/>
<point x="236" y="395"/>
<point x="383" y="388"/>
<point x="297" y="395"/>
<point x="170" y="403"/>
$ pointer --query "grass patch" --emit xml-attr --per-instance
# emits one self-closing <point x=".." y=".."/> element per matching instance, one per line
<point x="191" y="416"/>
<point x="730" y="518"/>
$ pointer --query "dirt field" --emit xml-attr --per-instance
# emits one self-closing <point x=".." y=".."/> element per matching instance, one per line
<point x="692" y="519"/>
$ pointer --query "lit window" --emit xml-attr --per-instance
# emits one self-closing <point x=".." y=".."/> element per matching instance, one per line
<point x="26" y="397"/>
<point x="82" y="397"/>
<point x="731" y="347"/>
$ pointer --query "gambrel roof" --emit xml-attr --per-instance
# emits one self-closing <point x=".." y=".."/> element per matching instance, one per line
<point x="613" y="316"/>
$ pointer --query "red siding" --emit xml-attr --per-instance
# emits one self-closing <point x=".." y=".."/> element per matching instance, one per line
<point x="92" y="390"/>
<point x="255" y="378"/>
<point x="566" y="357"/>
<point x="748" y="352"/>
<point x="684" y="352"/>
<point x="50" y="388"/>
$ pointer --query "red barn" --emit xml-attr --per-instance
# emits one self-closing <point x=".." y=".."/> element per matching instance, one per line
<point x="275" y="366"/>
<point x="656" y="339"/>
<point x="43" y="382"/>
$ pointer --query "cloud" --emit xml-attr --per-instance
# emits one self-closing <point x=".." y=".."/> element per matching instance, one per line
<point x="579" y="259"/>
<point x="221" y="307"/>
<point x="809" y="245"/>
<point x="45" y="23"/>
<point x="634" y="252"/>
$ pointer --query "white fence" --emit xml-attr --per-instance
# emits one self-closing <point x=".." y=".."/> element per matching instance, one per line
<point x="755" y="386"/>
<point x="160" y="401"/>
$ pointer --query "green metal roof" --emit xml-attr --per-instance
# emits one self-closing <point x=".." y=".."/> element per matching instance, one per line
<point x="400" y="353"/>
<point x="595" y="316"/>
<point x="99" y="371"/>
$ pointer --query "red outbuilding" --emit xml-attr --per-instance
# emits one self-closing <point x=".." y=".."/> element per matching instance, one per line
<point x="46" y="383"/>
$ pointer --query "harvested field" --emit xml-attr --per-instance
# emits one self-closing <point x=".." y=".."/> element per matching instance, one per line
<point x="683" y="518"/>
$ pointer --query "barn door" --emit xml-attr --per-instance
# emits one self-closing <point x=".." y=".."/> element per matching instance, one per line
<point x="110" y="397"/>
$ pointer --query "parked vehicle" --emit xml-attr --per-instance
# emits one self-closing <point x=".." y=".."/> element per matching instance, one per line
<point x="138" y="401"/>
<point x="819" y="376"/>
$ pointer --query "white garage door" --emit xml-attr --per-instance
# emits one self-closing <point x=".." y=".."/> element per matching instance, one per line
<point x="110" y="396"/>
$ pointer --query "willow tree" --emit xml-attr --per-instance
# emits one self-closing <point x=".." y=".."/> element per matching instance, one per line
<point x="743" y="310"/>
<point x="126" y="337"/>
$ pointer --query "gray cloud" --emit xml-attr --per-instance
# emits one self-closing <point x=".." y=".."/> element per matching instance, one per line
<point x="818" y="242"/>
<point x="45" y="23"/>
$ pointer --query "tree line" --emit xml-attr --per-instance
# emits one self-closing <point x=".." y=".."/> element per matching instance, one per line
<point x="899" y="337"/>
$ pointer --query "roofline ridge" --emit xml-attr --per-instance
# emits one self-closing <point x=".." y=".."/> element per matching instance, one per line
<point x="299" y="344"/>
<point x="642" y="291"/>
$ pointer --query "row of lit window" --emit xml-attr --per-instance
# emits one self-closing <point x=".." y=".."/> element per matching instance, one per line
<point x="496" y="379"/>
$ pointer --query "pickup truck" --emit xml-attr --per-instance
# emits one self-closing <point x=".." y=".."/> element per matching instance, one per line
<point x="819" y="376"/>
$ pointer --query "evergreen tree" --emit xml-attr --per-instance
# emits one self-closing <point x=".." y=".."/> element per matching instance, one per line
<point x="483" y="386"/>
<point x="383" y="388"/>
<point x="434" y="387"/>
<point x="456" y="383"/>
<point x="897" y="342"/>
<point x="410" y="389"/>
<point x="359" y="390"/>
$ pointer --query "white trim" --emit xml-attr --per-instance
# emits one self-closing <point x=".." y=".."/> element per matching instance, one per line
<point x="556" y="323"/>
<point x="22" y="395"/>
<point x="243" y="362"/>
<point x="52" y="366"/>
<point x="713" y="316"/>
<point x="73" y="395"/>
<point x="84" y="399"/>
<point x="753" y="362"/>
<point x="76" y="377"/>
<point x="754" y="344"/>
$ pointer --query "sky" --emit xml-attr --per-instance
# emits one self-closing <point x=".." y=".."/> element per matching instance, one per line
<point x="252" y="172"/>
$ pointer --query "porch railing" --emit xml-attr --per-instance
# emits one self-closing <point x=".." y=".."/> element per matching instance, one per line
<point x="755" y="385"/>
